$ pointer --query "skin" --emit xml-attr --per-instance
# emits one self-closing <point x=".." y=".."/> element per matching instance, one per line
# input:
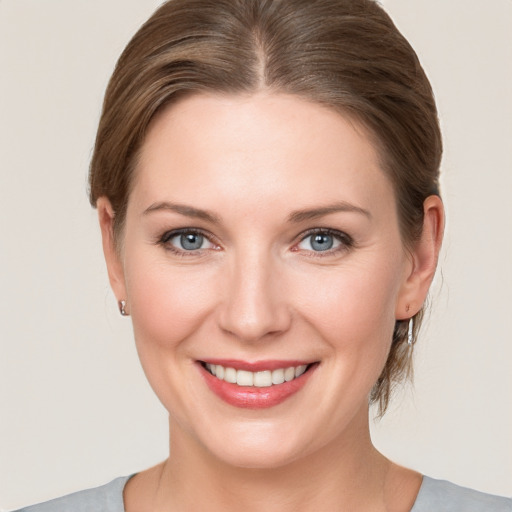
<point x="257" y="290"/>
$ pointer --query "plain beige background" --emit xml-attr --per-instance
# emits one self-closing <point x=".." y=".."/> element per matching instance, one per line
<point x="75" y="409"/>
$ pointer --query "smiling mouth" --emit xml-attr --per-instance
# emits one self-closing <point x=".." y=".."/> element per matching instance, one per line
<point x="258" y="379"/>
<point x="256" y="385"/>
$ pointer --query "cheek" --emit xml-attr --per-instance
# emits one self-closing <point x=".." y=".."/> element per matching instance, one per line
<point x="353" y="307"/>
<point x="167" y="304"/>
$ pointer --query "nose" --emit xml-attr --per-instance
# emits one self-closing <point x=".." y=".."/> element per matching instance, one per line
<point x="254" y="305"/>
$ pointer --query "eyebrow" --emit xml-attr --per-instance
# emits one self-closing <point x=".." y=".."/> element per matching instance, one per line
<point x="295" y="217"/>
<point x="188" y="211"/>
<point x="315" y="213"/>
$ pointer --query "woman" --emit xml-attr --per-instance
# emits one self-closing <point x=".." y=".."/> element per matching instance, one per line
<point x="266" y="179"/>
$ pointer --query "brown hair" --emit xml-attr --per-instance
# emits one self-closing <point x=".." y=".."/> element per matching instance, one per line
<point x="346" y="54"/>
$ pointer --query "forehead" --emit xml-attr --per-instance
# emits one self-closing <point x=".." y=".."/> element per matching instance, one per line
<point x="257" y="149"/>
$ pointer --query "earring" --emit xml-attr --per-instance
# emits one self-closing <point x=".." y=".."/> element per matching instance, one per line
<point x="122" y="307"/>
<point x="410" y="339"/>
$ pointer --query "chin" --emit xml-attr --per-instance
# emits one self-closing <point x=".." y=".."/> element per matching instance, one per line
<point x="259" y="446"/>
<point x="258" y="457"/>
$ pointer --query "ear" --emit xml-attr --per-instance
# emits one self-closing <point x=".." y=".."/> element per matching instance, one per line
<point x="424" y="256"/>
<point x="115" y="270"/>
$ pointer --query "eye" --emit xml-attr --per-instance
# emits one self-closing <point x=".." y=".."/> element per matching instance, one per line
<point x="186" y="241"/>
<point x="318" y="242"/>
<point x="322" y="240"/>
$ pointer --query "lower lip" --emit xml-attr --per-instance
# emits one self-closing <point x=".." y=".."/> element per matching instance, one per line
<point x="247" y="397"/>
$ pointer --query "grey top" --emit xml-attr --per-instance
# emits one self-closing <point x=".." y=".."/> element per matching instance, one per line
<point x="434" y="496"/>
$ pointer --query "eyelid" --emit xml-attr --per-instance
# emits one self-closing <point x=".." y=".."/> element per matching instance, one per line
<point x="347" y="242"/>
<point x="171" y="233"/>
<point x="167" y="236"/>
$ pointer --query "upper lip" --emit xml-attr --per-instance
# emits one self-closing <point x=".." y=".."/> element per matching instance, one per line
<point x="256" y="366"/>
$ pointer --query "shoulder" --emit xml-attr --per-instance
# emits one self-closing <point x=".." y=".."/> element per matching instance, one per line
<point x="443" y="496"/>
<point x="106" y="498"/>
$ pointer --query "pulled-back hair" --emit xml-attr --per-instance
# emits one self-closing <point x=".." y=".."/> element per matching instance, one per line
<point x="346" y="54"/>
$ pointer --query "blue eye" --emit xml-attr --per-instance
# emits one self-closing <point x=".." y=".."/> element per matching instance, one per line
<point x="186" y="241"/>
<point x="323" y="241"/>
<point x="190" y="241"/>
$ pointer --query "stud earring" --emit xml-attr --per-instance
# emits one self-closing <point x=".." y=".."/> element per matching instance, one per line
<point x="122" y="307"/>
<point x="410" y="338"/>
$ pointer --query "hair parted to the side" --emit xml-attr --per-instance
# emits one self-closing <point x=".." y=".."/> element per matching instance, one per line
<point x="345" y="54"/>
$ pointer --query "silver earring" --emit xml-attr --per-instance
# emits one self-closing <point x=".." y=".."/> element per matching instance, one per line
<point x="410" y="339"/>
<point x="122" y="307"/>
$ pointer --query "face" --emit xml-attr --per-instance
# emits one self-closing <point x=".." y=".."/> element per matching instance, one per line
<point x="262" y="244"/>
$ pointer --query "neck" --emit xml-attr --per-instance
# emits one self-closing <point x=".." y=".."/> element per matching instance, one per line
<point x="346" y="474"/>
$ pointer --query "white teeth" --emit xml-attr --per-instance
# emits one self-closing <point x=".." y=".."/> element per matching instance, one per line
<point x="220" y="372"/>
<point x="289" y="374"/>
<point x="300" y="370"/>
<point x="278" y="376"/>
<point x="244" y="378"/>
<point x="261" y="379"/>
<point x="230" y="375"/>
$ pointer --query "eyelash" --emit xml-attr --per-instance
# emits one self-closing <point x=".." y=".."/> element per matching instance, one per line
<point x="169" y="235"/>
<point x="346" y="241"/>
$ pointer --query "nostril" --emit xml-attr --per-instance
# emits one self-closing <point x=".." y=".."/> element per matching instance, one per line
<point x="253" y="322"/>
<point x="253" y="305"/>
